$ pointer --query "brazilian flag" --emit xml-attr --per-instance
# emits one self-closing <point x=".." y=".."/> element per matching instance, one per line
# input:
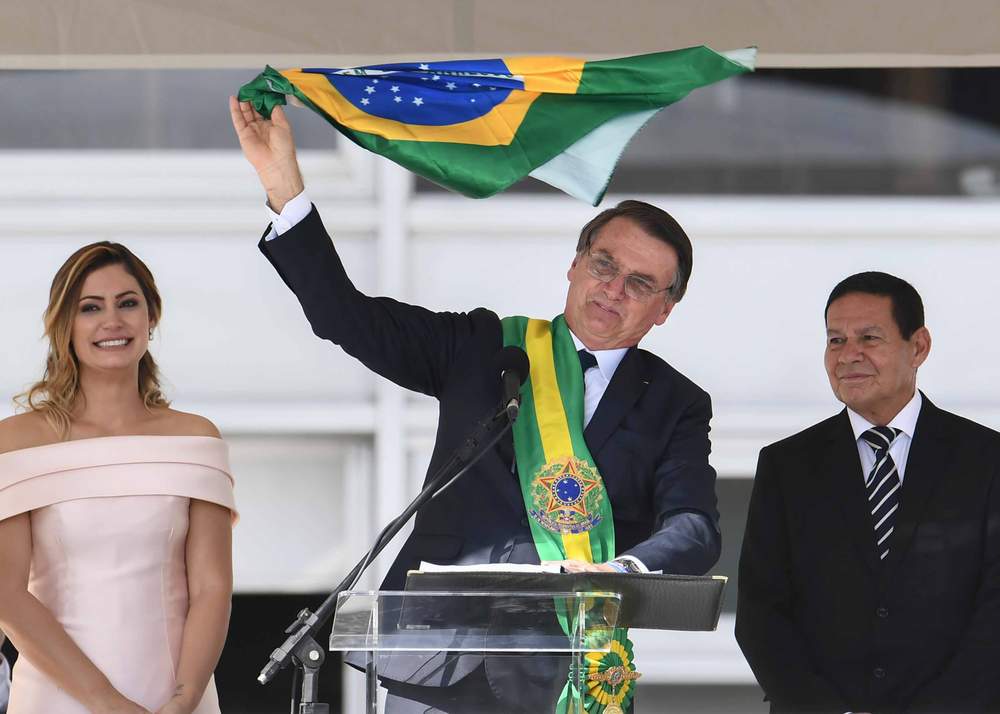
<point x="478" y="126"/>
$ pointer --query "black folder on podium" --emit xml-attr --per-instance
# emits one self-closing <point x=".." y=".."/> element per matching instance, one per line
<point x="649" y="601"/>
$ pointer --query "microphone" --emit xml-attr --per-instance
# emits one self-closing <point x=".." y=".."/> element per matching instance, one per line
<point x="514" y="371"/>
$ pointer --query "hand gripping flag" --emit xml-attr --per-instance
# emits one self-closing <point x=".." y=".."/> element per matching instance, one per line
<point x="477" y="126"/>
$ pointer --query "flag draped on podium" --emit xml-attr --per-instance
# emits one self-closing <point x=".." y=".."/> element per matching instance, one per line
<point x="478" y="126"/>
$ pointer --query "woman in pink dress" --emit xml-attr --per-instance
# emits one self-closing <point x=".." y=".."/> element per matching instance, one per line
<point x="115" y="513"/>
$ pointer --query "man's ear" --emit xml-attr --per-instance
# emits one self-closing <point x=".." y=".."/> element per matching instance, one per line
<point x="569" y="273"/>
<point x="665" y="312"/>
<point x="921" y="341"/>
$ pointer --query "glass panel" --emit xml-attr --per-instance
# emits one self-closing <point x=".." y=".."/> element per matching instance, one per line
<point x="133" y="109"/>
<point x="474" y="622"/>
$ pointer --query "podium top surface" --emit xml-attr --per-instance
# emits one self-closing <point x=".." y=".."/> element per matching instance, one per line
<point x="648" y="601"/>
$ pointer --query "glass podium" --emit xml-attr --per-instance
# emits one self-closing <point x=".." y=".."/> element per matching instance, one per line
<point x="382" y="629"/>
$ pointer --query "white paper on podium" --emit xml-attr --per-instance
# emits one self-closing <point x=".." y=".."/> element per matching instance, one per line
<point x="490" y="568"/>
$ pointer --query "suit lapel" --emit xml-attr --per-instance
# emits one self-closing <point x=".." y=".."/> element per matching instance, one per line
<point x="841" y="468"/>
<point x="626" y="386"/>
<point x="927" y="461"/>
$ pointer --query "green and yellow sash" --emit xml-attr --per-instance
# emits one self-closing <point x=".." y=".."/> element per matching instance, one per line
<point x="568" y="507"/>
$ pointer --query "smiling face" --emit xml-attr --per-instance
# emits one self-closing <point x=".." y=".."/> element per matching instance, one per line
<point x="601" y="314"/>
<point x="872" y="368"/>
<point x="112" y="323"/>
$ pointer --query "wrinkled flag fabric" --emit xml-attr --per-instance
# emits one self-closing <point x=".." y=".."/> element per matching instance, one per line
<point x="478" y="126"/>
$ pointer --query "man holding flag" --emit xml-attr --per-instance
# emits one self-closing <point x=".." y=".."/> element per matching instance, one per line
<point x="476" y="126"/>
<point x="608" y="466"/>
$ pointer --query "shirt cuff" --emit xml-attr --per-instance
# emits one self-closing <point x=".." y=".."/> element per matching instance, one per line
<point x="291" y="215"/>
<point x="617" y="565"/>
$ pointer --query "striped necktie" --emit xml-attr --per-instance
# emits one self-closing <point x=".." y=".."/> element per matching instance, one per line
<point x="882" y="485"/>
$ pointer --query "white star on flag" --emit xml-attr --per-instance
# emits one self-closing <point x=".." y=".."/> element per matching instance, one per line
<point x="425" y="66"/>
<point x="476" y="84"/>
<point x="394" y="88"/>
<point x="364" y="100"/>
<point x="397" y="99"/>
<point x="369" y="89"/>
<point x="450" y="85"/>
<point x="418" y="101"/>
<point x="436" y="77"/>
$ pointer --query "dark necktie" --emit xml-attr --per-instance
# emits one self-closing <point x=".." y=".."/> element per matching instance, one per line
<point x="587" y="360"/>
<point x="882" y="486"/>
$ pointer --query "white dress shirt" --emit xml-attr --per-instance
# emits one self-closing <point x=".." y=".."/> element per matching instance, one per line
<point x="596" y="379"/>
<point x="905" y="421"/>
<point x="595" y="383"/>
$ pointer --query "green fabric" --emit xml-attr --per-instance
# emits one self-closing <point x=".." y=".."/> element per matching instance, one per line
<point x="529" y="454"/>
<point x="608" y="89"/>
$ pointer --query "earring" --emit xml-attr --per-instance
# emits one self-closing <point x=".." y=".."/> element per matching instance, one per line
<point x="150" y="334"/>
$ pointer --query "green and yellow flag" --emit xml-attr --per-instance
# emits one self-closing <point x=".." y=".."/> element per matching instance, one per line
<point x="478" y="126"/>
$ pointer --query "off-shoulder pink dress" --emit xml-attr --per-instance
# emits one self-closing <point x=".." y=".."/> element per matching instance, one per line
<point x="109" y="522"/>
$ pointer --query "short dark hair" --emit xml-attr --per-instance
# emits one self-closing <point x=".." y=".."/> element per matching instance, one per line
<point x="657" y="223"/>
<point x="907" y="307"/>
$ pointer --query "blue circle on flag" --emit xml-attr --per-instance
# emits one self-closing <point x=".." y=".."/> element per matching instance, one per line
<point x="568" y="490"/>
<point x="425" y="94"/>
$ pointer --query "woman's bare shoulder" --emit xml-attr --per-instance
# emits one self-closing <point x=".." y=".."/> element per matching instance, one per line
<point x="177" y="423"/>
<point x="23" y="431"/>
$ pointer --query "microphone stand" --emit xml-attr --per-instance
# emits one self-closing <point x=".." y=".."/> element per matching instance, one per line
<point x="300" y="646"/>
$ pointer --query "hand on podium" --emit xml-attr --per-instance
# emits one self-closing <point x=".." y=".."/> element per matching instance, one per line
<point x="582" y="566"/>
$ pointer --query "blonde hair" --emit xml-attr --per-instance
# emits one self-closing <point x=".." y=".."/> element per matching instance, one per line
<point x="56" y="393"/>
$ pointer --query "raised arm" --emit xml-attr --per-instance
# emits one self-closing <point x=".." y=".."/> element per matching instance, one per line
<point x="407" y="344"/>
<point x="39" y="637"/>
<point x="269" y="146"/>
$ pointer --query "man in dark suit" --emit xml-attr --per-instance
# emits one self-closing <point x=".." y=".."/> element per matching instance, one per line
<point x="646" y="424"/>
<point x="870" y="573"/>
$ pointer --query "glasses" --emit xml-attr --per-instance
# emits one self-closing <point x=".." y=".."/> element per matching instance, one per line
<point x="602" y="267"/>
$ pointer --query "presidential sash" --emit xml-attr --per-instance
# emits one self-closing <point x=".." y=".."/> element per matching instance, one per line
<point x="569" y="512"/>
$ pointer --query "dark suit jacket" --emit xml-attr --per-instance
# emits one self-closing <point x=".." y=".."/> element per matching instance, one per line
<point x="649" y="435"/>
<point x="826" y="626"/>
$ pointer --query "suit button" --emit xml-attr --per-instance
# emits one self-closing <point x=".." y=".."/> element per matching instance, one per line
<point x="882" y="612"/>
<point x="879" y="672"/>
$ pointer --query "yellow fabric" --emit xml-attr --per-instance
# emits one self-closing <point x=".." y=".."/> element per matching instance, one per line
<point x="496" y="128"/>
<point x="547" y="74"/>
<point x="595" y="665"/>
<point x="551" y="418"/>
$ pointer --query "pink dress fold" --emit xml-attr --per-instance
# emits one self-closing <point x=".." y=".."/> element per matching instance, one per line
<point x="109" y="523"/>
